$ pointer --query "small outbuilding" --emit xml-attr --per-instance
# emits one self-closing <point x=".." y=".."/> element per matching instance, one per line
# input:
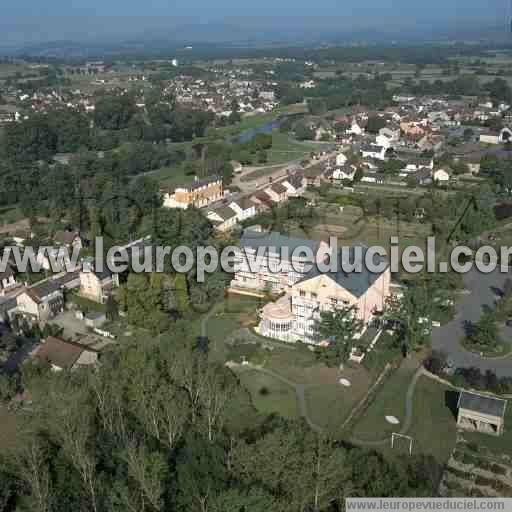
<point x="481" y="413"/>
<point x="95" y="319"/>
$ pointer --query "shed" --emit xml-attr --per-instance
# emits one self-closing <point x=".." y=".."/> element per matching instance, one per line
<point x="481" y="413"/>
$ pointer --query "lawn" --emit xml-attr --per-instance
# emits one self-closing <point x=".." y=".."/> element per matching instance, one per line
<point x="434" y="426"/>
<point x="234" y="313"/>
<point x="9" y="425"/>
<point x="86" y="305"/>
<point x="270" y="395"/>
<point x="285" y="150"/>
<point x="171" y="176"/>
<point x="330" y="403"/>
<point x="389" y="401"/>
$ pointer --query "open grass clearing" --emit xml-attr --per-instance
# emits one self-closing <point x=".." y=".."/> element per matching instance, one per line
<point x="329" y="403"/>
<point x="171" y="176"/>
<point x="9" y="427"/>
<point x="234" y="313"/>
<point x="389" y="401"/>
<point x="270" y="395"/>
<point x="434" y="425"/>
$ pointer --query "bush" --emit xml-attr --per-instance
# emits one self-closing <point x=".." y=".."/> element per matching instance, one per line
<point x="264" y="391"/>
<point x="482" y="481"/>
<point x="498" y="470"/>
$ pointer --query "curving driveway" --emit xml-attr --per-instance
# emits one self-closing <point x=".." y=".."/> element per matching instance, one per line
<point x="481" y="292"/>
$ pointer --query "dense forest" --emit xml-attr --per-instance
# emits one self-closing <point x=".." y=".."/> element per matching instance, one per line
<point x="159" y="427"/>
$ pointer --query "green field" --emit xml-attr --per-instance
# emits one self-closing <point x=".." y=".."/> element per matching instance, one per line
<point x="389" y="401"/>
<point x="330" y="404"/>
<point x="269" y="395"/>
<point x="284" y="149"/>
<point x="434" y="427"/>
<point x="171" y="176"/>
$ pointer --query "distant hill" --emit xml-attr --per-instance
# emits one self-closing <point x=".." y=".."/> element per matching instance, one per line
<point x="210" y="36"/>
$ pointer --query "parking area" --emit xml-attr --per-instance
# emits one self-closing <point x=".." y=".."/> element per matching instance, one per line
<point x="76" y="330"/>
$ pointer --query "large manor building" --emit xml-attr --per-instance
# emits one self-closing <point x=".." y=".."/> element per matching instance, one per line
<point x="199" y="193"/>
<point x="305" y="293"/>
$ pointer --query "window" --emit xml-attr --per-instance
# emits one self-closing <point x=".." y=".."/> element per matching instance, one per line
<point x="302" y="293"/>
<point x="314" y="296"/>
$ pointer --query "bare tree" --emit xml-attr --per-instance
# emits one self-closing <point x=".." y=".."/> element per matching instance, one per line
<point x="213" y="398"/>
<point x="33" y="468"/>
<point x="148" y="470"/>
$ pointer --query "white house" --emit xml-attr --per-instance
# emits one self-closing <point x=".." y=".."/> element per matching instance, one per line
<point x="223" y="218"/>
<point x="294" y="316"/>
<point x="347" y="172"/>
<point x="244" y="208"/>
<point x="505" y="135"/>
<point x="40" y="302"/>
<point x="341" y="160"/>
<point x="277" y="192"/>
<point x="7" y="280"/>
<point x="355" y="129"/>
<point x="441" y="176"/>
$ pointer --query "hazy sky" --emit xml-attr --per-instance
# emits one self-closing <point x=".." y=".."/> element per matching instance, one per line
<point x="36" y="20"/>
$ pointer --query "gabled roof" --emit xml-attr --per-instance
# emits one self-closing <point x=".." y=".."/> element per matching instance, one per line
<point x="41" y="290"/>
<point x="225" y="212"/>
<point x="245" y="203"/>
<point x="60" y="353"/>
<point x="356" y="283"/>
<point x="275" y="240"/>
<point x="279" y="188"/>
<point x="372" y="149"/>
<point x="482" y="404"/>
<point x="66" y="237"/>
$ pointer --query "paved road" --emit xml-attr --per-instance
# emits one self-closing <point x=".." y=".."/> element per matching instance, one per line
<point x="482" y="288"/>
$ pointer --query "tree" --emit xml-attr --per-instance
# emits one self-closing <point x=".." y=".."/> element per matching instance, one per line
<point x="32" y="465"/>
<point x="339" y="327"/>
<point x="112" y="309"/>
<point x="234" y="117"/>
<point x="485" y="333"/>
<point x="411" y="314"/>
<point x="114" y="112"/>
<point x="262" y="157"/>
<point x="145" y="302"/>
<point x="182" y="298"/>
<point x="237" y="499"/>
<point x="375" y="124"/>
<point x="304" y="132"/>
<point x="468" y="134"/>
